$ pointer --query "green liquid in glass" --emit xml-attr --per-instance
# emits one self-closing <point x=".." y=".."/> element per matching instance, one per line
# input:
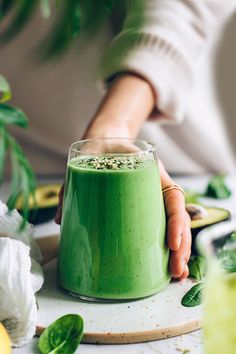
<point x="112" y="242"/>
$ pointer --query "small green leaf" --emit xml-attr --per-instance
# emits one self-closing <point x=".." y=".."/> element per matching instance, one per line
<point x="227" y="258"/>
<point x="233" y="236"/>
<point x="62" y="336"/>
<point x="192" y="197"/>
<point x="12" y="115"/>
<point x="197" y="267"/>
<point x="193" y="297"/>
<point x="5" y="91"/>
<point x="217" y="188"/>
<point x="23" y="180"/>
<point x="23" y="11"/>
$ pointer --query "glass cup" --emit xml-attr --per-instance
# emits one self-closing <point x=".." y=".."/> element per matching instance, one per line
<point x="219" y="322"/>
<point x="112" y="239"/>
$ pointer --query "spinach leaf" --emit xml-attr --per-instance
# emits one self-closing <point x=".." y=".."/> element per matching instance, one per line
<point x="63" y="336"/>
<point x="197" y="267"/>
<point x="217" y="188"/>
<point x="193" y="297"/>
<point x="5" y="90"/>
<point x="233" y="236"/>
<point x="227" y="258"/>
<point x="192" y="197"/>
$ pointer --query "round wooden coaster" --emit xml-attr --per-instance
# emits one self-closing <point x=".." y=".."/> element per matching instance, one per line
<point x="156" y="317"/>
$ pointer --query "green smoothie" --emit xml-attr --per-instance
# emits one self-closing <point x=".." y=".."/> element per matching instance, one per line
<point x="112" y="243"/>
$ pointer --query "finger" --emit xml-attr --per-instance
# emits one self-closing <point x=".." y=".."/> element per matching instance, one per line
<point x="175" y="210"/>
<point x="179" y="258"/>
<point x="184" y="274"/>
<point x="58" y="215"/>
<point x="176" y="215"/>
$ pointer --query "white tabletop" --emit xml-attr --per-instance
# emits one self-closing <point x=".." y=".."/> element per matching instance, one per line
<point x="189" y="343"/>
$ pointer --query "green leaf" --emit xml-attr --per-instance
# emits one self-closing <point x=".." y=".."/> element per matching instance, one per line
<point x="63" y="336"/>
<point x="23" y="180"/>
<point x="193" y="297"/>
<point x="192" y="197"/>
<point x="217" y="188"/>
<point x="227" y="258"/>
<point x="72" y="17"/>
<point x="197" y="267"/>
<point x="3" y="150"/>
<point x="5" y="90"/>
<point x="233" y="236"/>
<point x="12" y="115"/>
<point x="5" y="7"/>
<point x="23" y="11"/>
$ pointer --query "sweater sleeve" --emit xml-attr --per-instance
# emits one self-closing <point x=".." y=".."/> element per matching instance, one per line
<point x="160" y="41"/>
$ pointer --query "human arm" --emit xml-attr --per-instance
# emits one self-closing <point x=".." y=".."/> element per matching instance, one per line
<point x="126" y="106"/>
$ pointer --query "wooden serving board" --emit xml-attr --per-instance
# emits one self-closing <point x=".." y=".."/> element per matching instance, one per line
<point x="156" y="317"/>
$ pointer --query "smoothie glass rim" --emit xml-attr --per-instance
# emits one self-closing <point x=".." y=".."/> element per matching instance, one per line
<point x="150" y="147"/>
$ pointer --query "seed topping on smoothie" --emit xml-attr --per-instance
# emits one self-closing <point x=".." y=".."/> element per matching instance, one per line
<point x="109" y="162"/>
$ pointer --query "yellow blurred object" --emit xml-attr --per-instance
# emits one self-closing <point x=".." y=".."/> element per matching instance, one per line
<point x="5" y="342"/>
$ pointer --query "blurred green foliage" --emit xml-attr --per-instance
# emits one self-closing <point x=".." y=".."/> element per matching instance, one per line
<point x="72" y="17"/>
<point x="23" y="180"/>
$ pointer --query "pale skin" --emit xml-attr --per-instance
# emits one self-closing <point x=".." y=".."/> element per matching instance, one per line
<point x="127" y="105"/>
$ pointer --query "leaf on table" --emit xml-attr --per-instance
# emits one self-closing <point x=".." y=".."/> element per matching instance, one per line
<point x="233" y="236"/>
<point x="192" y="197"/>
<point x="62" y="336"/>
<point x="197" y="267"/>
<point x="227" y="258"/>
<point x="194" y="296"/>
<point x="217" y="188"/>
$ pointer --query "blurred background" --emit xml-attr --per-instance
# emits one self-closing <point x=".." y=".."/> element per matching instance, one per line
<point x="60" y="95"/>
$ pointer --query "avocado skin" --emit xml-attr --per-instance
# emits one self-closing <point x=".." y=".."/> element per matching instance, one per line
<point x="196" y="230"/>
<point x="46" y="197"/>
<point x="40" y="215"/>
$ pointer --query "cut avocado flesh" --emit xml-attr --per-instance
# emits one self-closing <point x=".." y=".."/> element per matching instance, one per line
<point x="46" y="198"/>
<point x="215" y="215"/>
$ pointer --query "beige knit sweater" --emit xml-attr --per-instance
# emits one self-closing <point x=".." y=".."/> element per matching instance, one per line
<point x="173" y="49"/>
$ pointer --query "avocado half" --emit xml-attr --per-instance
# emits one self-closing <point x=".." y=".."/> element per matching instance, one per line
<point x="214" y="216"/>
<point x="46" y="198"/>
